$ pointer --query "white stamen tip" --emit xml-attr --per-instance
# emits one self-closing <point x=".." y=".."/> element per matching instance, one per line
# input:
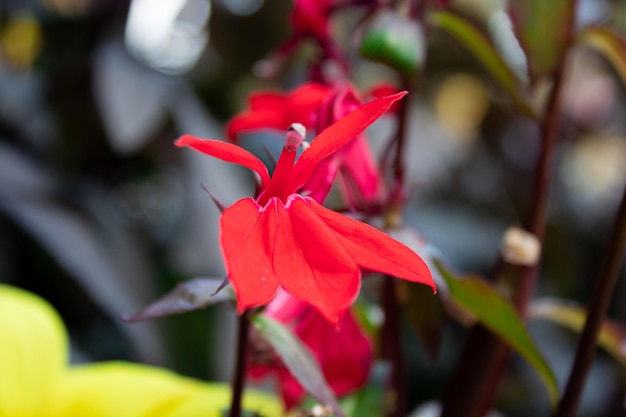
<point x="520" y="247"/>
<point x="305" y="145"/>
<point x="299" y="129"/>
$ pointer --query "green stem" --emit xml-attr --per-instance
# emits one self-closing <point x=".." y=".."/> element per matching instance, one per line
<point x="240" y="364"/>
<point x="598" y="307"/>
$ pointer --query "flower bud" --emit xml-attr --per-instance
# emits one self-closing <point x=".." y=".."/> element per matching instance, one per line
<point x="520" y="247"/>
<point x="395" y="41"/>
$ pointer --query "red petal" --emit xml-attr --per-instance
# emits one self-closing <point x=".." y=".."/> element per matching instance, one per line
<point x="246" y="233"/>
<point x="375" y="250"/>
<point x="343" y="350"/>
<point x="226" y="152"/>
<point x="337" y="135"/>
<point x="311" y="263"/>
<point x="255" y="120"/>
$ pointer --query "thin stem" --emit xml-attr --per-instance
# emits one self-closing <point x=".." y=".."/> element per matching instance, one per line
<point x="474" y="386"/>
<point x="392" y="348"/>
<point x="240" y="364"/>
<point x="399" y="163"/>
<point x="598" y="307"/>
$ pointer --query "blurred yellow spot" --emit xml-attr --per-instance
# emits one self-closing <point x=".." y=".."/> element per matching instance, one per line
<point x="461" y="104"/>
<point x="68" y="8"/>
<point x="21" y="40"/>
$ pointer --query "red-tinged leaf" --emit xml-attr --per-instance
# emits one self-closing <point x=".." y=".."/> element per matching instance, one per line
<point x="375" y="250"/>
<point x="311" y="262"/>
<point x="247" y="233"/>
<point x="484" y="51"/>
<point x="497" y="314"/>
<point x="226" y="152"/>
<point x="298" y="359"/>
<point x="610" y="44"/>
<point x="187" y="296"/>
<point x="542" y="29"/>
<point x="337" y="135"/>
<point x="612" y="336"/>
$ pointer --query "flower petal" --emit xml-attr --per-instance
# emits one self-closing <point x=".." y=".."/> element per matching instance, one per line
<point x="343" y="351"/>
<point x="310" y="262"/>
<point x="33" y="354"/>
<point x="253" y="120"/>
<point x="337" y="135"/>
<point x="375" y="250"/>
<point x="129" y="390"/>
<point x="226" y="152"/>
<point x="247" y="234"/>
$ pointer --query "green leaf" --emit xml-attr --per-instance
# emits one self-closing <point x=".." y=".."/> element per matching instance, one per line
<point x="497" y="314"/>
<point x="609" y="44"/>
<point x="190" y="295"/>
<point x="484" y="51"/>
<point x="396" y="42"/>
<point x="541" y="27"/>
<point x="612" y="335"/>
<point x="298" y="360"/>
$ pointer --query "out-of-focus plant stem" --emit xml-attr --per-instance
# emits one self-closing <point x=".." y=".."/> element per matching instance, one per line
<point x="240" y="364"/>
<point x="474" y="386"/>
<point x="596" y="312"/>
<point x="391" y="330"/>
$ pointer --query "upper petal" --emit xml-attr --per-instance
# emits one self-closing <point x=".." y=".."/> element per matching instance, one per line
<point x="375" y="250"/>
<point x="226" y="152"/>
<point x="246" y="235"/>
<point x="310" y="262"/>
<point x="33" y="354"/>
<point x="337" y="135"/>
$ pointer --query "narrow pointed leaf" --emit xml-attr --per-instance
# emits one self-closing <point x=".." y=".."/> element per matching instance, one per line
<point x="337" y="135"/>
<point x="541" y="26"/>
<point x="427" y="317"/>
<point x="485" y="52"/>
<point x="497" y="314"/>
<point x="226" y="152"/>
<point x="298" y="360"/>
<point x="610" y="45"/>
<point x="188" y="296"/>
<point x="612" y="336"/>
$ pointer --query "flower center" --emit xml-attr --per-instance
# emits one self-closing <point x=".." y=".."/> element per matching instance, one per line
<point x="281" y="178"/>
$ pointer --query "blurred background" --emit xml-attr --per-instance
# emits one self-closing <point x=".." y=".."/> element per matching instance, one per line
<point x="100" y="214"/>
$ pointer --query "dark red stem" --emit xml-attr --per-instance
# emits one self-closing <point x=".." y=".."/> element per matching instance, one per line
<point x="392" y="349"/>
<point x="598" y="307"/>
<point x="240" y="364"/>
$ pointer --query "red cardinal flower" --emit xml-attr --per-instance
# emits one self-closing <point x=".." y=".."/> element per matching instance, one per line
<point x="343" y="350"/>
<point x="283" y="239"/>
<point x="278" y="111"/>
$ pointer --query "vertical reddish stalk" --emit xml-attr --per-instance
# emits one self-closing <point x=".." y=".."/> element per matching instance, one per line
<point x="240" y="364"/>
<point x="598" y="307"/>
<point x="474" y="386"/>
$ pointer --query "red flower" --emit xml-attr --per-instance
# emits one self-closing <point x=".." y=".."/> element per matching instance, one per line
<point x="283" y="239"/>
<point x="278" y="111"/>
<point x="342" y="350"/>
<point x="319" y="106"/>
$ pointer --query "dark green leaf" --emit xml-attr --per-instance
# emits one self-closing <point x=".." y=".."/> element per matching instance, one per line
<point x="188" y="296"/>
<point x="298" y="360"/>
<point x="497" y="314"/>
<point x="482" y="48"/>
<point x="541" y="27"/>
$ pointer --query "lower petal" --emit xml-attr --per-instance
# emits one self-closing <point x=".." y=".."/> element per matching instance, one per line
<point x="374" y="249"/>
<point x="246" y="233"/>
<point x="311" y="263"/>
<point x="33" y="351"/>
